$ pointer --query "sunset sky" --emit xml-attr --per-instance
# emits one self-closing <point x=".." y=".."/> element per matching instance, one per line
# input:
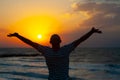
<point x="37" y="20"/>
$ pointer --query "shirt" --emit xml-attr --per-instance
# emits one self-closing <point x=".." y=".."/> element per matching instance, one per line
<point x="57" y="61"/>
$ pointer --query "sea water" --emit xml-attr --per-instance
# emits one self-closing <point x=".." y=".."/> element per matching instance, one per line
<point x="85" y="64"/>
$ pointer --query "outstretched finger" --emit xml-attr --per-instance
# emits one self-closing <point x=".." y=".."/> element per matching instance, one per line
<point x="9" y="35"/>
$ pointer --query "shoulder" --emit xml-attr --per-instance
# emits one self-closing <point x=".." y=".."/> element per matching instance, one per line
<point x="69" y="47"/>
<point x="42" y="48"/>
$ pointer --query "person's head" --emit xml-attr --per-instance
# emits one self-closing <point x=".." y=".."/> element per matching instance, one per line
<point x="55" y="39"/>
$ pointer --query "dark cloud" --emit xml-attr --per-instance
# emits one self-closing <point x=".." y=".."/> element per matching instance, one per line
<point x="106" y="15"/>
<point x="110" y="1"/>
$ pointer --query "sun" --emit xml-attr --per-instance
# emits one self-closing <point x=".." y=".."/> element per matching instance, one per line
<point x="39" y="36"/>
<point x="37" y="28"/>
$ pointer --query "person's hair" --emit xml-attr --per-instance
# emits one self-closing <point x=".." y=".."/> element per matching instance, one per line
<point x="55" y="38"/>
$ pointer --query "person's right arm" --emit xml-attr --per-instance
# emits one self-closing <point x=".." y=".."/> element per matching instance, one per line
<point x="25" y="40"/>
<point x="85" y="37"/>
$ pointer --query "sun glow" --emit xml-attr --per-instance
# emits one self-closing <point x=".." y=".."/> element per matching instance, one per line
<point x="37" y="28"/>
<point x="39" y="36"/>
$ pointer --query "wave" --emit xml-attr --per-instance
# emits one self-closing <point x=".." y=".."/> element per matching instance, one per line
<point x="18" y="52"/>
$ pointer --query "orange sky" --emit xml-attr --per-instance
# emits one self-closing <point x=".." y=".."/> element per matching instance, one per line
<point x="68" y="18"/>
<point x="34" y="17"/>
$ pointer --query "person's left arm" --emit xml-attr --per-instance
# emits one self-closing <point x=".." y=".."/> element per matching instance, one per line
<point x="85" y="37"/>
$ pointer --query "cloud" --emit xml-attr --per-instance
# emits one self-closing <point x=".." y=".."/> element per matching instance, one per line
<point x="105" y="14"/>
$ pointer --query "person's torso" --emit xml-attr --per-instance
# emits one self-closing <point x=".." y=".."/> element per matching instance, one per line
<point x="58" y="64"/>
<point x="57" y="61"/>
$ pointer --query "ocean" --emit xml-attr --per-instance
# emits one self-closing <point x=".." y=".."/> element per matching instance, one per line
<point x="85" y="64"/>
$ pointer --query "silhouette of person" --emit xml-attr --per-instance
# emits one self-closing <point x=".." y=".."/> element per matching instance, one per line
<point x="57" y="58"/>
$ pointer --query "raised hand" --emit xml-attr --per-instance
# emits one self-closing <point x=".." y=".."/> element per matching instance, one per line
<point x="96" y="30"/>
<point x="12" y="35"/>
